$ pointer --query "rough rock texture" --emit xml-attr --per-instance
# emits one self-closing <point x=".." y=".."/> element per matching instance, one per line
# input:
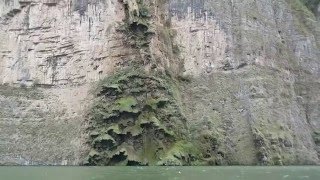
<point x="56" y="47"/>
<point x="256" y="77"/>
<point x="244" y="75"/>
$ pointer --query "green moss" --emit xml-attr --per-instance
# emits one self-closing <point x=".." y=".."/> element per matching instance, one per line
<point x="144" y="12"/>
<point x="304" y="19"/>
<point x="94" y="134"/>
<point x="181" y="153"/>
<point x="135" y="130"/>
<point x="156" y="103"/>
<point x="102" y="112"/>
<point x="114" y="128"/>
<point x="115" y="88"/>
<point x="185" y="78"/>
<point x="104" y="138"/>
<point x="137" y="26"/>
<point x="127" y="154"/>
<point x="311" y="4"/>
<point x="140" y="108"/>
<point x="126" y="104"/>
<point x="316" y="137"/>
<point x="150" y="118"/>
<point x="93" y="153"/>
<point x="272" y="143"/>
<point x="263" y="154"/>
<point x="277" y="159"/>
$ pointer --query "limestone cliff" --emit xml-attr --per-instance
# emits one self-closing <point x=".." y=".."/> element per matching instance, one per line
<point x="159" y="82"/>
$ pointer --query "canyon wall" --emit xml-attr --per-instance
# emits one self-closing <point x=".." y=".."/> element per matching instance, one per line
<point x="216" y="82"/>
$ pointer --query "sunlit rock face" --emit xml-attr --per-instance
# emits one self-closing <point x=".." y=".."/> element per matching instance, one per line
<point x="246" y="77"/>
<point x="56" y="47"/>
<point x="56" y="42"/>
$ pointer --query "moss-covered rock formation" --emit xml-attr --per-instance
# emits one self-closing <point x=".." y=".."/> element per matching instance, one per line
<point x="136" y="26"/>
<point x="137" y="117"/>
<point x="182" y="82"/>
<point x="311" y="4"/>
<point x="136" y="120"/>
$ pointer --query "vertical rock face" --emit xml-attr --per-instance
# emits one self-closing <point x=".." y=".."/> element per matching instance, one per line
<point x="58" y="42"/>
<point x="256" y="77"/>
<point x="56" y="48"/>
<point x="223" y="82"/>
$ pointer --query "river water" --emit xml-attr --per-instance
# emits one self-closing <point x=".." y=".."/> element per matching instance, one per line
<point x="160" y="173"/>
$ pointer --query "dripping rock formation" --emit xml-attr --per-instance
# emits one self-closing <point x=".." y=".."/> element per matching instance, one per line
<point x="159" y="82"/>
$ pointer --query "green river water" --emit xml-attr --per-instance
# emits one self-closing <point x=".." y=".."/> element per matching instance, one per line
<point x="159" y="173"/>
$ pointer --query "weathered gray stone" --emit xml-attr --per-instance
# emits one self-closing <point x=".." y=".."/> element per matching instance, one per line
<point x="250" y="72"/>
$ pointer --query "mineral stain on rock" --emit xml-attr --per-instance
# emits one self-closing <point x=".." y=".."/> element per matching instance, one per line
<point x="135" y="119"/>
<point x="159" y="82"/>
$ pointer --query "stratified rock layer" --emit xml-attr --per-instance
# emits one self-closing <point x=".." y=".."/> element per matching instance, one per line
<point x="217" y="82"/>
